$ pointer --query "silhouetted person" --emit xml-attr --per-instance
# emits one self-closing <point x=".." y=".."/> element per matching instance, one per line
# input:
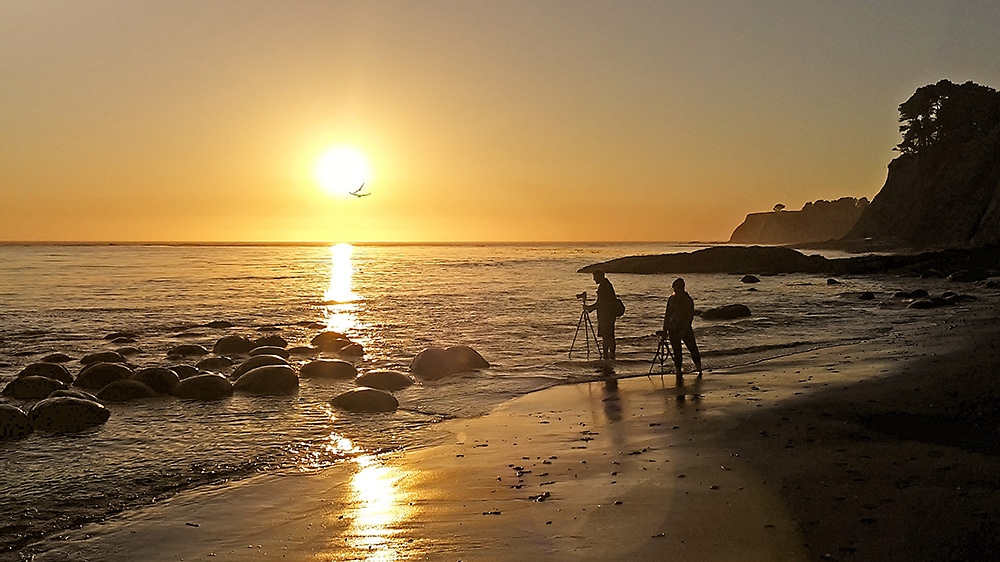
<point x="607" y="312"/>
<point x="677" y="324"/>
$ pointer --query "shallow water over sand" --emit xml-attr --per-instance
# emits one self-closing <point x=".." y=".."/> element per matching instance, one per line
<point x="515" y="304"/>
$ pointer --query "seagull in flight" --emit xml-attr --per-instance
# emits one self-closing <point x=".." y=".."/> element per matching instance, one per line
<point x="357" y="192"/>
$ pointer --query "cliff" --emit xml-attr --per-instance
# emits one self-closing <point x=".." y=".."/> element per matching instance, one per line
<point x="816" y="222"/>
<point x="944" y="189"/>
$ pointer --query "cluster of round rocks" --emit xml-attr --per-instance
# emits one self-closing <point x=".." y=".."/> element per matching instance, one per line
<point x="67" y="403"/>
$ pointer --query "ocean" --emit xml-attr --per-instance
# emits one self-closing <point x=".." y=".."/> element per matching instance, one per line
<point x="515" y="304"/>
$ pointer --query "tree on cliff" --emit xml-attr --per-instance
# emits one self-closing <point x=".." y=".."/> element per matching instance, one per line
<point x="945" y="114"/>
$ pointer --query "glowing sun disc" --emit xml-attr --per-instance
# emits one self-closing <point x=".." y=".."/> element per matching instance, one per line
<point x="341" y="170"/>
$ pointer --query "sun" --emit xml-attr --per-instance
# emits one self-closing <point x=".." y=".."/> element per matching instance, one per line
<point x="341" y="170"/>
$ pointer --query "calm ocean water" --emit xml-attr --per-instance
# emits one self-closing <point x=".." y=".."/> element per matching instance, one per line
<point x="515" y="304"/>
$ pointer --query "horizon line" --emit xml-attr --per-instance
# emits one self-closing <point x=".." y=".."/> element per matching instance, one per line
<point x="359" y="243"/>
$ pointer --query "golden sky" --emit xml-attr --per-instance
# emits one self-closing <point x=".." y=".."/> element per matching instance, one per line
<point x="481" y="120"/>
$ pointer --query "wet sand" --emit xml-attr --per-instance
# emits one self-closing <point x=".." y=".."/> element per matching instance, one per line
<point x="886" y="449"/>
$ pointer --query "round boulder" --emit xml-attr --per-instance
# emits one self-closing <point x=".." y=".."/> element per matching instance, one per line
<point x="273" y="340"/>
<point x="922" y="304"/>
<point x="125" y="390"/>
<point x="867" y="296"/>
<point x="32" y="387"/>
<point x="74" y="393"/>
<point x="99" y="375"/>
<point x="57" y="358"/>
<point x="232" y="344"/>
<point x="363" y="399"/>
<point x="270" y="350"/>
<point x="258" y="361"/>
<point x="184" y="371"/>
<point x="268" y="380"/>
<point x="728" y="312"/>
<point x="750" y="279"/>
<point x="303" y="351"/>
<point x="919" y="294"/>
<point x="187" y="350"/>
<point x="969" y="275"/>
<point x="102" y="357"/>
<point x="204" y="387"/>
<point x="215" y="364"/>
<point x="435" y="362"/>
<point x="901" y="295"/>
<point x="161" y="380"/>
<point x="66" y="413"/>
<point x="383" y="379"/>
<point x="129" y="351"/>
<point x="219" y="324"/>
<point x="50" y="370"/>
<point x="352" y="349"/>
<point x="330" y="341"/>
<point x="328" y="369"/>
<point x="14" y="423"/>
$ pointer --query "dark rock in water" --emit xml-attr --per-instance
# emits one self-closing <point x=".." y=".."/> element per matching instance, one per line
<point x="268" y="380"/>
<point x="258" y="361"/>
<point x="752" y="290"/>
<point x="949" y="294"/>
<point x="727" y="312"/>
<point x="232" y="344"/>
<point x="918" y="294"/>
<point x="129" y="351"/>
<point x="901" y="295"/>
<point x="215" y="364"/>
<point x="969" y="275"/>
<point x="74" y="393"/>
<point x="328" y="369"/>
<point x="184" y="371"/>
<point x="125" y="390"/>
<point x="99" y="375"/>
<point x="435" y="362"/>
<point x="941" y="301"/>
<point x="270" y="350"/>
<point x="161" y="380"/>
<point x="384" y="380"/>
<point x="352" y="350"/>
<point x="57" y="358"/>
<point x="273" y="340"/>
<point x="832" y="281"/>
<point x="66" y="413"/>
<point x="303" y="351"/>
<point x="330" y="341"/>
<point x="102" y="357"/>
<point x="116" y="335"/>
<point x="867" y="296"/>
<point x="750" y="279"/>
<point x="364" y="399"/>
<point x="921" y="304"/>
<point x="14" y="423"/>
<point x="187" y="350"/>
<point x="204" y="387"/>
<point x="719" y="259"/>
<point x="50" y="370"/>
<point x="121" y="341"/>
<point x="219" y="324"/>
<point x="32" y="387"/>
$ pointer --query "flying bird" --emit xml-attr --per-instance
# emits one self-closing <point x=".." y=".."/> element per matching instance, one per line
<point x="357" y="192"/>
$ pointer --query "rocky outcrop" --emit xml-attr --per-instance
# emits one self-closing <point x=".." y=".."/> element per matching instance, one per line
<point x="816" y="222"/>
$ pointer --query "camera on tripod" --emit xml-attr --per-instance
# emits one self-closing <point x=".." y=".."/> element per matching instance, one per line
<point x="582" y="296"/>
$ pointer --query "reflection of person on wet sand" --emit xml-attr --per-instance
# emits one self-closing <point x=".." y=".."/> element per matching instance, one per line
<point x="677" y="325"/>
<point x="606" y="307"/>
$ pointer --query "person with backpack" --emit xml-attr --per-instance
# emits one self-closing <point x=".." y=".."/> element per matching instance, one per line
<point x="677" y="325"/>
<point x="609" y="308"/>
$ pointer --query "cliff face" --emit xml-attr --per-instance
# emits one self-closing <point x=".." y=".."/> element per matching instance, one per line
<point x="938" y="198"/>
<point x="816" y="222"/>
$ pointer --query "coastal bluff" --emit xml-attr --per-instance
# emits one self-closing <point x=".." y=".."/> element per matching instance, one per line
<point x="768" y="260"/>
<point x="817" y="221"/>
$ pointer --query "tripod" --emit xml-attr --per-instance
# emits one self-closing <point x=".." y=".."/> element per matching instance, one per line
<point x="662" y="352"/>
<point x="587" y="326"/>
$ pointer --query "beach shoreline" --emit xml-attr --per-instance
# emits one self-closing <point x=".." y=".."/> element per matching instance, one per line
<point x="795" y="458"/>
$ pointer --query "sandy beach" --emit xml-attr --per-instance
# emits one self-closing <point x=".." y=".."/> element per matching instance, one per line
<point x="885" y="449"/>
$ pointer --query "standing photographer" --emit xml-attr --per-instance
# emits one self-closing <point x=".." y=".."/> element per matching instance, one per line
<point x="677" y="325"/>
<point x="607" y="308"/>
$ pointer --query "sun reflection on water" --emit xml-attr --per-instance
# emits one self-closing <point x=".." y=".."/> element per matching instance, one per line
<point x="340" y="301"/>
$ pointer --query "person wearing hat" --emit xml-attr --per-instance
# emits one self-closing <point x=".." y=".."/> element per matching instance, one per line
<point x="677" y="325"/>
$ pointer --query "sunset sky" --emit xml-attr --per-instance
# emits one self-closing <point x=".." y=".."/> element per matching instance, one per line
<point x="481" y="121"/>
